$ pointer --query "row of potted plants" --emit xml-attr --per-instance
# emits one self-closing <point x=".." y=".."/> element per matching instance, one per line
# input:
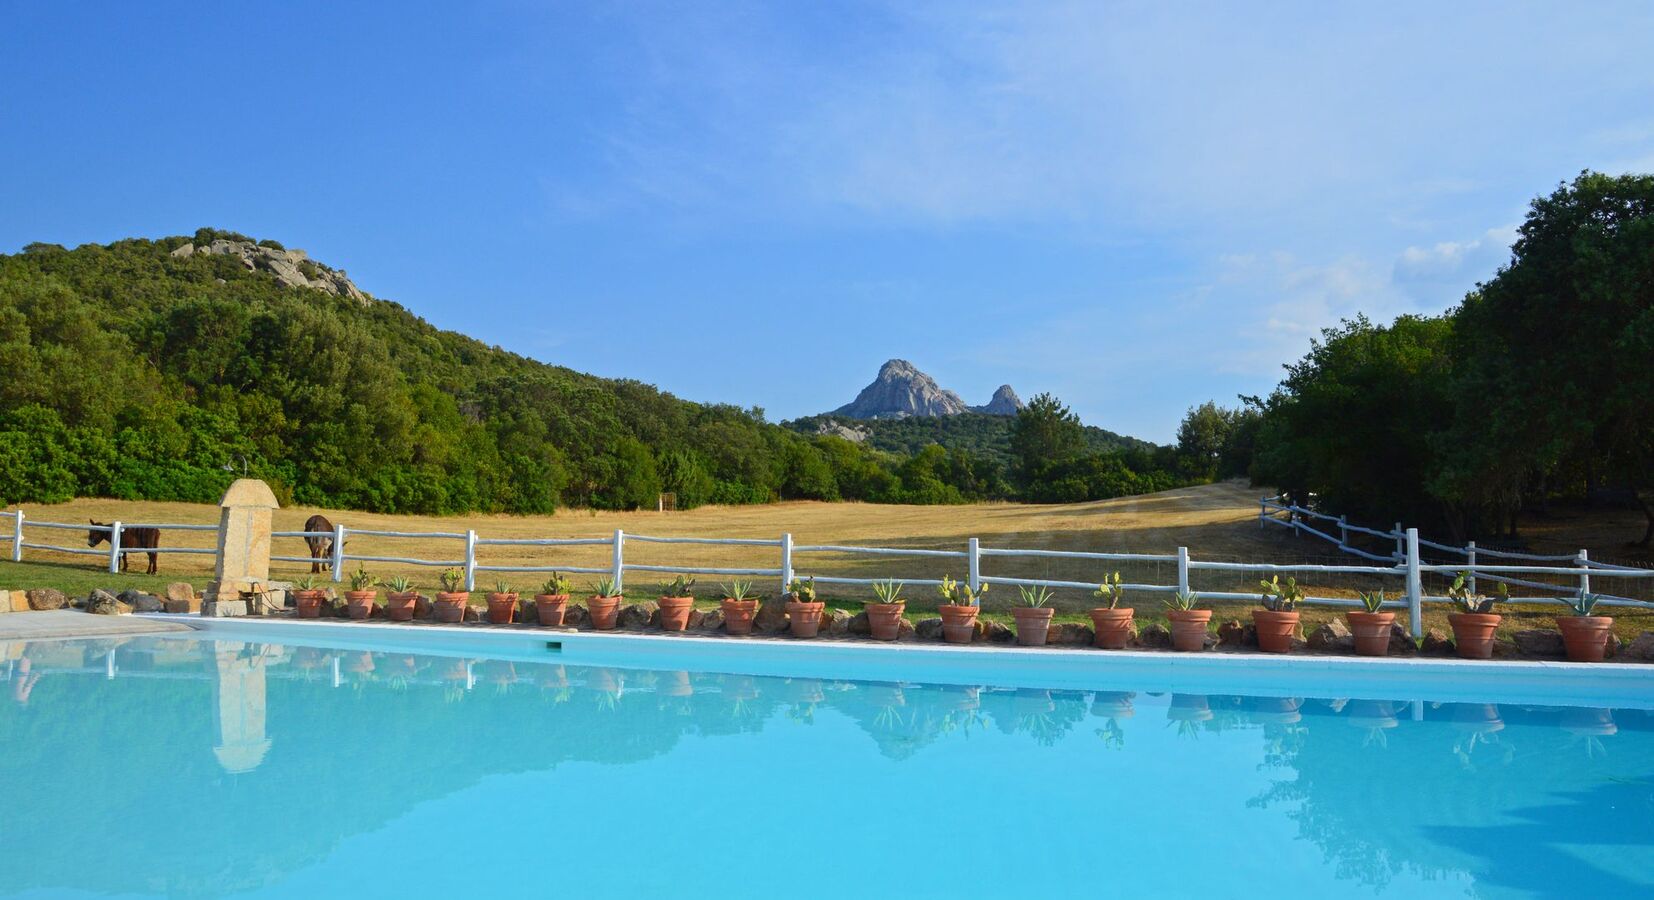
<point x="1474" y="624"/>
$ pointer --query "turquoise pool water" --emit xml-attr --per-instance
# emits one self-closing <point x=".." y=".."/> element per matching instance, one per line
<point x="191" y="767"/>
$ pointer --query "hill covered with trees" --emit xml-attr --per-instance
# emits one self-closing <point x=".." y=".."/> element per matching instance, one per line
<point x="143" y="370"/>
<point x="1539" y="386"/>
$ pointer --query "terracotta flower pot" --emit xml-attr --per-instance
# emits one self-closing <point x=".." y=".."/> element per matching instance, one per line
<point x="1032" y="624"/>
<point x="1473" y="633"/>
<point x="450" y="607"/>
<point x="502" y="608"/>
<point x="360" y="603"/>
<point x="1372" y="632"/>
<point x="804" y="618"/>
<point x="738" y="615"/>
<point x="1113" y="627"/>
<point x="1586" y="637"/>
<point x="958" y="622"/>
<point x="884" y="620"/>
<point x="603" y="611"/>
<point x="550" y="608"/>
<point x="674" y="612"/>
<point x="308" y="604"/>
<point x="1189" y="628"/>
<point x="400" y="607"/>
<point x="1275" y="629"/>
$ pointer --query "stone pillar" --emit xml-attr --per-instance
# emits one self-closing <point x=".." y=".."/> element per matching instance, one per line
<point x="243" y="548"/>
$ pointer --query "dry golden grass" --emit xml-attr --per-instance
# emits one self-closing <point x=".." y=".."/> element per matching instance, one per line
<point x="1216" y="522"/>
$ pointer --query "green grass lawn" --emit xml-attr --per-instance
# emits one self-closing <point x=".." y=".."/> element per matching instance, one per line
<point x="81" y="580"/>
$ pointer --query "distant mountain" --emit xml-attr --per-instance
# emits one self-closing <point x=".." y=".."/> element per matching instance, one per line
<point x="984" y="435"/>
<point x="900" y="390"/>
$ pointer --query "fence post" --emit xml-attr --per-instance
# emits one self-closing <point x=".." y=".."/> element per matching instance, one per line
<point x="470" y="559"/>
<point x="1183" y="570"/>
<point x="1401" y="548"/>
<point x="1470" y="560"/>
<point x="1584" y="559"/>
<point x="338" y="563"/>
<point x="1262" y="508"/>
<point x="786" y="561"/>
<point x="619" y="559"/>
<point x="1415" y="585"/>
<point x="115" y="548"/>
<point x="973" y="566"/>
<point x="17" y="537"/>
<point x="1343" y="533"/>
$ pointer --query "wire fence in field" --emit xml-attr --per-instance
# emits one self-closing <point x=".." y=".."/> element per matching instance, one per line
<point x="1415" y="573"/>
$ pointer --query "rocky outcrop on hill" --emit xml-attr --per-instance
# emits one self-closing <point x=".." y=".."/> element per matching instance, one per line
<point x="901" y="390"/>
<point x="1005" y="402"/>
<point x="293" y="268"/>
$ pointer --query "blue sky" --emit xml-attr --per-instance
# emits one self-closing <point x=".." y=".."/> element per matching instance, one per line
<point x="1137" y="207"/>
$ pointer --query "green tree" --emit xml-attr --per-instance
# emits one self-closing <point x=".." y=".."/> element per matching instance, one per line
<point x="1044" y="433"/>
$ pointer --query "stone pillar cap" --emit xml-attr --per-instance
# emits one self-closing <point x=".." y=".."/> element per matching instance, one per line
<point x="249" y="492"/>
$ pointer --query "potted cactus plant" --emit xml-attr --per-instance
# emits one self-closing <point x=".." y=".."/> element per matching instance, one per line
<point x="553" y="600"/>
<point x="1189" y="625"/>
<point x="1277" y="622"/>
<point x="740" y="605"/>
<point x="451" y="600"/>
<point x="502" y="603"/>
<point x="1371" y="627"/>
<point x="307" y="598"/>
<point x="1112" y="623"/>
<point x="803" y="609"/>
<point x="676" y="602"/>
<point x="1475" y="623"/>
<point x="1033" y="615"/>
<point x="1584" y="634"/>
<point x="884" y="616"/>
<point x="959" y="608"/>
<point x="361" y="595"/>
<point x="400" y="598"/>
<point x="604" y="604"/>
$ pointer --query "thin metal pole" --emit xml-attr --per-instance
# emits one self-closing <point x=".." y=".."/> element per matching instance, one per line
<point x="1415" y="585"/>
<point x="115" y="548"/>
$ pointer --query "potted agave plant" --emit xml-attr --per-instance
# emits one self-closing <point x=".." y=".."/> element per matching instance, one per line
<point x="676" y="602"/>
<point x="959" y="608"/>
<point x="400" y="598"/>
<point x="1033" y="615"/>
<point x="502" y="603"/>
<point x="1111" y="623"/>
<point x="361" y="595"/>
<point x="1371" y="627"/>
<point x="803" y="609"/>
<point x="1475" y="623"/>
<point x="604" y="604"/>
<point x="1189" y="625"/>
<point x="451" y="600"/>
<point x="1585" y="635"/>
<point x="307" y="598"/>
<point x="884" y="617"/>
<point x="1278" y="620"/>
<point x="553" y="600"/>
<point x="740" y="605"/>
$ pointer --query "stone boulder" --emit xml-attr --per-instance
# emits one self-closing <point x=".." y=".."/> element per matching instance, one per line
<point x="1539" y="643"/>
<point x="20" y="601"/>
<point x="996" y="633"/>
<point x="1332" y="637"/>
<point x="1401" y="642"/>
<point x="1155" y="637"/>
<point x="636" y="615"/>
<point x="103" y="603"/>
<point x="474" y="612"/>
<point x="712" y="619"/>
<point x="576" y="615"/>
<point x="1231" y="633"/>
<point x="1070" y="634"/>
<point x="771" y="617"/>
<point x="858" y="625"/>
<point x="47" y="598"/>
<point x="141" y="601"/>
<point x="423" y="607"/>
<point x="1641" y="647"/>
<point x="1437" y="643"/>
<point x="835" y="623"/>
<point x="928" y="629"/>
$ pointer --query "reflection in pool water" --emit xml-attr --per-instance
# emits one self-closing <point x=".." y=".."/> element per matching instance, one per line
<point x="171" y="766"/>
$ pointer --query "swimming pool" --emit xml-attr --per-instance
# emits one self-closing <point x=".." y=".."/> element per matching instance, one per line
<point x="189" y="766"/>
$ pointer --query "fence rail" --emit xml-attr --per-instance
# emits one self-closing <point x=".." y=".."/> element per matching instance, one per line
<point x="1406" y="564"/>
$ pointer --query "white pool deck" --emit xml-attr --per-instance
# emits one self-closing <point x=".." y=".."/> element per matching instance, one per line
<point x="1428" y="679"/>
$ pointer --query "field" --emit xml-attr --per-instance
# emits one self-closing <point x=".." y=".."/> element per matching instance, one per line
<point x="1216" y="522"/>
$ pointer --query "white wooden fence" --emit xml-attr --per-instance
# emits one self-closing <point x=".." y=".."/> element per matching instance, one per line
<point x="1409" y="568"/>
